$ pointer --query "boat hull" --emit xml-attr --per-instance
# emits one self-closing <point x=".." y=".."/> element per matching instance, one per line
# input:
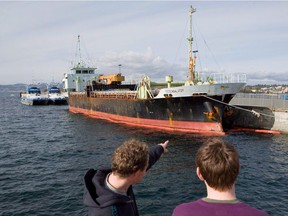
<point x="196" y="114"/>
<point x="58" y="102"/>
<point x="34" y="101"/>
<point x="61" y="100"/>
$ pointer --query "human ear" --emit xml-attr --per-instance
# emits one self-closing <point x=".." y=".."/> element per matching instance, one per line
<point x="199" y="174"/>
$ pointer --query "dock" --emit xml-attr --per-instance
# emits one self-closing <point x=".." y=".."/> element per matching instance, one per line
<point x="259" y="112"/>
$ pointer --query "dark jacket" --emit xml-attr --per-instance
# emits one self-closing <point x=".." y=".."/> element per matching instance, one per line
<point x="102" y="201"/>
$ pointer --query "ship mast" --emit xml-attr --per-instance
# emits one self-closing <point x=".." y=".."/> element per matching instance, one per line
<point x="190" y="40"/>
<point x="78" y="53"/>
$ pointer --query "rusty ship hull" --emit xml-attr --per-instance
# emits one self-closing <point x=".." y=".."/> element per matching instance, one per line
<point x="195" y="114"/>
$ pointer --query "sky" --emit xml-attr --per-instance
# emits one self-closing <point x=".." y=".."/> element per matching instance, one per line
<point x="38" y="39"/>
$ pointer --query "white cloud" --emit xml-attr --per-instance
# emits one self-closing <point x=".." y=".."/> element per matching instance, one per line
<point x="38" y="39"/>
<point x="136" y="64"/>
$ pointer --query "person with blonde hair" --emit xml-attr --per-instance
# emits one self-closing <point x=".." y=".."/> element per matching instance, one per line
<point x="218" y="166"/>
<point x="109" y="192"/>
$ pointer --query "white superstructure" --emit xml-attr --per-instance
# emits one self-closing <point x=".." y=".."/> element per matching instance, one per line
<point x="78" y="76"/>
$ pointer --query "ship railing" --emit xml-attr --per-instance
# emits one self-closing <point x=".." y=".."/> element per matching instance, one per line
<point x="228" y="78"/>
<point x="77" y="93"/>
<point x="114" y="95"/>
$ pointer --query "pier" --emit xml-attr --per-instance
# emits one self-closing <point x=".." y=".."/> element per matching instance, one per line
<point x="267" y="111"/>
<point x="275" y="102"/>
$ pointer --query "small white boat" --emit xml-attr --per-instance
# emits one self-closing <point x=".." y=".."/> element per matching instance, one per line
<point x="33" y="97"/>
<point x="55" y="96"/>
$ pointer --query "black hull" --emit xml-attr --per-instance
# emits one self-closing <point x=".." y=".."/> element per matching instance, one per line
<point x="58" y="102"/>
<point x="243" y="117"/>
<point x="35" y="102"/>
<point x="185" y="113"/>
<point x="182" y="109"/>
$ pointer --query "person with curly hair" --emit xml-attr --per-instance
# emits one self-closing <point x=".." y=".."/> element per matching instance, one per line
<point x="109" y="192"/>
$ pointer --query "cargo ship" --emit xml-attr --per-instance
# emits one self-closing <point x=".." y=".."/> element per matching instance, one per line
<point x="196" y="106"/>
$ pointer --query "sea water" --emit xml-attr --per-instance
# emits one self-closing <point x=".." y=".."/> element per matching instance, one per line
<point x="46" y="150"/>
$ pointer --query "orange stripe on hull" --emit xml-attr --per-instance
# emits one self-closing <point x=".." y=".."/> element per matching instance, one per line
<point x="207" y="128"/>
<point x="254" y="130"/>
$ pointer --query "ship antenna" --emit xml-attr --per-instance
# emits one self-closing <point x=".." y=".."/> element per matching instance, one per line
<point x="190" y="40"/>
<point x="79" y="53"/>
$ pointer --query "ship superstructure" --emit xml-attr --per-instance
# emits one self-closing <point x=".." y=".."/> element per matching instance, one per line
<point x="78" y="76"/>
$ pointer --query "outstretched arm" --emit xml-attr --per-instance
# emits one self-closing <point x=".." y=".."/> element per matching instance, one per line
<point x="164" y="145"/>
<point x="156" y="152"/>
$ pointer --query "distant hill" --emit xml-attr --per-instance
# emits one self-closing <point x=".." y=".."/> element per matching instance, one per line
<point x="22" y="86"/>
<point x="13" y="87"/>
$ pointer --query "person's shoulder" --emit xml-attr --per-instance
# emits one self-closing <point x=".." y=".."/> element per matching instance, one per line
<point x="95" y="174"/>
<point x="185" y="209"/>
<point x="249" y="210"/>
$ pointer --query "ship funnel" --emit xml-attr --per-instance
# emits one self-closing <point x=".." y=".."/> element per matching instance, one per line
<point x="169" y="80"/>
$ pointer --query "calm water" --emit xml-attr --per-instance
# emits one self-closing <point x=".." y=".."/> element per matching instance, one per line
<point x="45" y="152"/>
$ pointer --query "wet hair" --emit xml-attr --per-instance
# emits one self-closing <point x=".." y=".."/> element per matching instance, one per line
<point x="130" y="157"/>
<point x="218" y="163"/>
